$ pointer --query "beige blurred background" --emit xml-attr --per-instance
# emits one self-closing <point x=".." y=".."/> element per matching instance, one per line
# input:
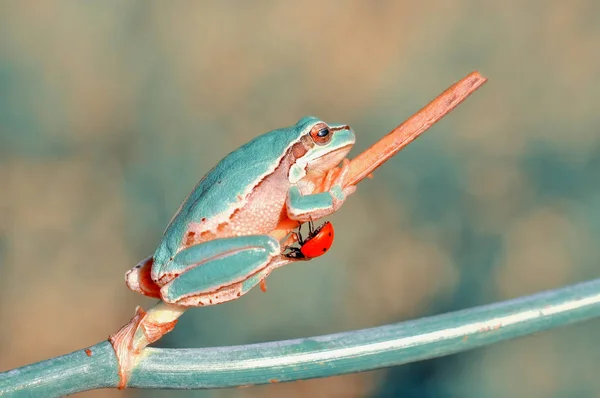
<point x="111" y="111"/>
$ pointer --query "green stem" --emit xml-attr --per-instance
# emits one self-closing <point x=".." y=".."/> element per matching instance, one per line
<point x="63" y="375"/>
<point x="313" y="357"/>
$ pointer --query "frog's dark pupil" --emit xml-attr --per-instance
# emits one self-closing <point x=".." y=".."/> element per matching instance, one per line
<point x="323" y="132"/>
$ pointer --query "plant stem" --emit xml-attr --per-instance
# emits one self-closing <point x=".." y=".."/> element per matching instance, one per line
<point x="68" y="374"/>
<point x="321" y="356"/>
<point x="393" y="142"/>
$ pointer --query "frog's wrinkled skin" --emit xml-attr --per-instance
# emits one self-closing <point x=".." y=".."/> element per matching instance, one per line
<point x="222" y="240"/>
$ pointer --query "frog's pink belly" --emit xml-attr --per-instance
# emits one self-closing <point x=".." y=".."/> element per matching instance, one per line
<point x="259" y="214"/>
<point x="257" y="222"/>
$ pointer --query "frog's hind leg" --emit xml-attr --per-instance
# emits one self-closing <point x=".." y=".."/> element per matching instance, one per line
<point x="212" y="272"/>
<point x="237" y="289"/>
<point x="220" y="270"/>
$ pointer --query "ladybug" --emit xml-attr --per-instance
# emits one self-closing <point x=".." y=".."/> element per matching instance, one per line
<point x="317" y="243"/>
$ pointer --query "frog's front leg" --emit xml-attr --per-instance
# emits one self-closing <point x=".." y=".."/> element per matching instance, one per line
<point x="218" y="270"/>
<point x="304" y="208"/>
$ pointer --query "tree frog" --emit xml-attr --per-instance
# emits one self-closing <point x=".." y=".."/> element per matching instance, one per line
<point x="224" y="239"/>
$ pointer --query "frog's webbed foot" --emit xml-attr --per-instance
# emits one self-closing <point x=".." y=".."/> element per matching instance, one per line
<point x="338" y="178"/>
<point x="143" y="329"/>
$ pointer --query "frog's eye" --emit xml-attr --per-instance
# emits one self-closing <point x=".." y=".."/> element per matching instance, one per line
<point x="321" y="134"/>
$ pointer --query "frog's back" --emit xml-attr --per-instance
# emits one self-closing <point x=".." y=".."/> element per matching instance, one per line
<point x="227" y="185"/>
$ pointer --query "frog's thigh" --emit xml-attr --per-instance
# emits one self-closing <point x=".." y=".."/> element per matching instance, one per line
<point x="211" y="265"/>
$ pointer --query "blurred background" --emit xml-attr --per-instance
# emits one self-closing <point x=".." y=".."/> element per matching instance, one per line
<point x="110" y="112"/>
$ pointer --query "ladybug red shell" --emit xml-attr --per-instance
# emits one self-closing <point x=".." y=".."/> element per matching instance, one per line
<point x="317" y="243"/>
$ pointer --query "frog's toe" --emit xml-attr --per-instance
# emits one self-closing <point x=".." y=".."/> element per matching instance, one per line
<point x="349" y="190"/>
<point x="344" y="174"/>
<point x="139" y="280"/>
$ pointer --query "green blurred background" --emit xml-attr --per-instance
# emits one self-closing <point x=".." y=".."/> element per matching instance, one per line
<point x="111" y="111"/>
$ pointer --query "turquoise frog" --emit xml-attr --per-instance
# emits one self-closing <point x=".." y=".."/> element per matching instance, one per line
<point x="225" y="237"/>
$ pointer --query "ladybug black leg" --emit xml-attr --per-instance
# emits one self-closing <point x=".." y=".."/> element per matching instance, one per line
<point x="299" y="237"/>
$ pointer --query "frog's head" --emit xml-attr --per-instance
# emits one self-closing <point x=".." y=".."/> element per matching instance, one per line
<point x="321" y="147"/>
